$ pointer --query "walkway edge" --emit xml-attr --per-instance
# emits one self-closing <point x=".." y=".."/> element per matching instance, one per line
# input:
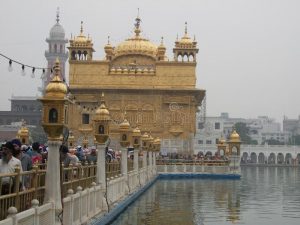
<point x="122" y="205"/>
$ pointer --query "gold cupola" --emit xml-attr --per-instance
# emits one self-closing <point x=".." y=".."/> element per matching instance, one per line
<point x="81" y="47"/>
<point x="101" y="122"/>
<point x="23" y="133"/>
<point x="136" y="45"/>
<point x="235" y="137"/>
<point x="56" y="87"/>
<point x="185" y="49"/>
<point x="234" y="143"/>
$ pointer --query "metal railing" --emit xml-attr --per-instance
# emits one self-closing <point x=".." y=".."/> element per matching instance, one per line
<point x="18" y="189"/>
<point x="192" y="162"/>
<point x="77" y="175"/>
<point x="130" y="165"/>
<point x="113" y="169"/>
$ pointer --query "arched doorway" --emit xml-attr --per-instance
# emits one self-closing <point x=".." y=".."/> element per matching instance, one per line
<point x="272" y="158"/>
<point x="244" y="158"/>
<point x="261" y="158"/>
<point x="288" y="159"/>
<point x="253" y="157"/>
<point x="280" y="158"/>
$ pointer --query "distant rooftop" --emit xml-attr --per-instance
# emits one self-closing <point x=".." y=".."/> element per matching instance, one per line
<point x="23" y="98"/>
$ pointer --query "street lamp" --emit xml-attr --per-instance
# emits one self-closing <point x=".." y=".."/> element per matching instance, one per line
<point x="54" y="121"/>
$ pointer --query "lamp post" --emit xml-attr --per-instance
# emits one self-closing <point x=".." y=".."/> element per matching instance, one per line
<point x="54" y="121"/>
<point x="124" y="130"/>
<point x="101" y="132"/>
<point x="150" y="154"/>
<point x="145" y="138"/>
<point x="156" y="144"/>
<point x="136" y="140"/>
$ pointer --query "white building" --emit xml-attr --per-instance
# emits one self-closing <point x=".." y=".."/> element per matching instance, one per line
<point x="261" y="129"/>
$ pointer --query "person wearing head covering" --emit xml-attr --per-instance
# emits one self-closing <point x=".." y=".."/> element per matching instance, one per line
<point x="24" y="158"/>
<point x="8" y="163"/>
<point x="36" y="157"/>
<point x="72" y="155"/>
<point x="92" y="157"/>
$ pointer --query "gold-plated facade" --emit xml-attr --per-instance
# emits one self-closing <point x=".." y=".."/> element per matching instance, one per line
<point x="157" y="95"/>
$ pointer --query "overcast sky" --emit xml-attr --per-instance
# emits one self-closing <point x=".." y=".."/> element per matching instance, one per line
<point x="249" y="50"/>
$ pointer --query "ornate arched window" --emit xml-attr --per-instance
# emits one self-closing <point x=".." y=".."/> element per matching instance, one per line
<point x="124" y="137"/>
<point x="53" y="116"/>
<point x="101" y="129"/>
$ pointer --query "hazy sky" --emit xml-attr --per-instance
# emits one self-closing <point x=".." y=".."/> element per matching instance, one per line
<point x="249" y="50"/>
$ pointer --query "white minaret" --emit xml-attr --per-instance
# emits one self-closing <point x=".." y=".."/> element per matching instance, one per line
<point x="56" y="49"/>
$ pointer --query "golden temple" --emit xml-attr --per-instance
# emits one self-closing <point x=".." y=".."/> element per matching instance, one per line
<point x="157" y="94"/>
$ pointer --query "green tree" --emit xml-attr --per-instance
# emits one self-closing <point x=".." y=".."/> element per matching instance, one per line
<point x="273" y="142"/>
<point x="243" y="131"/>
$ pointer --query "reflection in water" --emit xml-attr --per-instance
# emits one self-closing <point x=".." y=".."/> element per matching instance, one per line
<point x="265" y="196"/>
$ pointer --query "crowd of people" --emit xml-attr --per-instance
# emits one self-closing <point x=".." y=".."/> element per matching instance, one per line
<point x="13" y="154"/>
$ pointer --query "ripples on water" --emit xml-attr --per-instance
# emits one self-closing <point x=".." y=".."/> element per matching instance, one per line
<point x="263" y="196"/>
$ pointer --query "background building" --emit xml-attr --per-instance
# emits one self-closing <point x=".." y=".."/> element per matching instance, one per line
<point x="262" y="130"/>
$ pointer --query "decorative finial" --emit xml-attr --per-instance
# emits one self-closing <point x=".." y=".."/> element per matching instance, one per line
<point x="108" y="42"/>
<point x="162" y="41"/>
<point x="57" y="15"/>
<point x="177" y="37"/>
<point x="137" y="24"/>
<point x="81" y="28"/>
<point x="102" y="98"/>
<point x="185" y="30"/>
<point x="194" y="37"/>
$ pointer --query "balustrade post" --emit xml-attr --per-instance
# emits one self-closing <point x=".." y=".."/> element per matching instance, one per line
<point x="52" y="187"/>
<point x="136" y="159"/>
<point x="124" y="168"/>
<point x="101" y="167"/>
<point x="17" y="187"/>
<point x="35" y="180"/>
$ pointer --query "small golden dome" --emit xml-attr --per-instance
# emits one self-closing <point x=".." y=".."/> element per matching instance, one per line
<point x="125" y="125"/>
<point x="23" y="131"/>
<point x="151" y="139"/>
<point x="81" y="38"/>
<point x="235" y="137"/>
<point x="56" y="88"/>
<point x="145" y="137"/>
<point x="136" y="132"/>
<point x="102" y="112"/>
<point x="156" y="141"/>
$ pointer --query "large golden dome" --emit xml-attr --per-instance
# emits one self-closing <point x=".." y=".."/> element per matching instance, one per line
<point x="136" y="45"/>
